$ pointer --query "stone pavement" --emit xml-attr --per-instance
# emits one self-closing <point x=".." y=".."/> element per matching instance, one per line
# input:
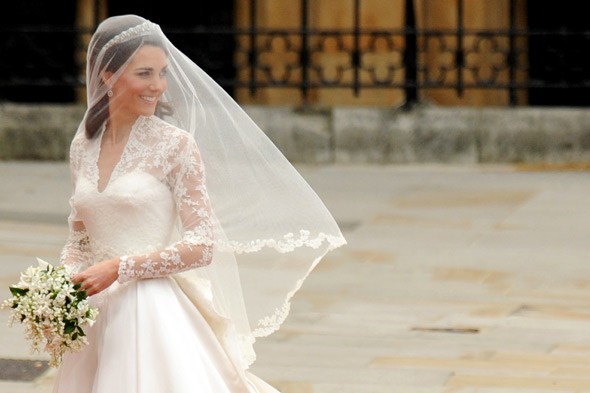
<point x="456" y="279"/>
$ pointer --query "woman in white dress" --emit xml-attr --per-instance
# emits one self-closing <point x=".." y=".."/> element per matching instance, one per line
<point x="189" y="229"/>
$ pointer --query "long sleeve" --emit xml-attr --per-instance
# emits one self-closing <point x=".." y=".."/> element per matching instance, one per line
<point x="194" y="249"/>
<point x="76" y="252"/>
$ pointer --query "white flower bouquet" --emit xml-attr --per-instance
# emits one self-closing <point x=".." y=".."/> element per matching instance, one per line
<point x="52" y="309"/>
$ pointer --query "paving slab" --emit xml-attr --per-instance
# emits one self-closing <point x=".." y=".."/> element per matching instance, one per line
<point x="455" y="279"/>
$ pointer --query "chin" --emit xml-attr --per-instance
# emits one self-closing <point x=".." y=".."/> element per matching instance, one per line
<point x="148" y="112"/>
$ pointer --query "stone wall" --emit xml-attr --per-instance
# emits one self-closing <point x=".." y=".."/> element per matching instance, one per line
<point x="37" y="132"/>
<point x="354" y="134"/>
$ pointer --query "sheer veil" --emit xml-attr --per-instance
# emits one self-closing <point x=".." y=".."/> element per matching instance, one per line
<point x="271" y="228"/>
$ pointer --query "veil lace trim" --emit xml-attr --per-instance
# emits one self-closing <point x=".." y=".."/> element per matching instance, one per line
<point x="287" y="244"/>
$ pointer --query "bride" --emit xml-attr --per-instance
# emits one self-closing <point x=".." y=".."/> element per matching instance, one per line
<point x="189" y="229"/>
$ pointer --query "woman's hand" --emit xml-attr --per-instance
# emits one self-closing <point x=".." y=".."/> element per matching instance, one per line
<point x="98" y="277"/>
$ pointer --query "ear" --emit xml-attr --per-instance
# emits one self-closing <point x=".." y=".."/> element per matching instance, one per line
<point x="105" y="76"/>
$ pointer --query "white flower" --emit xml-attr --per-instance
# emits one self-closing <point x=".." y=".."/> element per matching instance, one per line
<point x="52" y="309"/>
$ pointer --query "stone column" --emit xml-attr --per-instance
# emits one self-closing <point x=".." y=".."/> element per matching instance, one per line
<point x="88" y="14"/>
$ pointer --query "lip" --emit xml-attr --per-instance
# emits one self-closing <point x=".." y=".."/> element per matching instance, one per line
<point x="149" y="99"/>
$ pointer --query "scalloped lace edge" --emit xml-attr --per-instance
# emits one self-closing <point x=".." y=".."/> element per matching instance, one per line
<point x="272" y="323"/>
<point x="287" y="244"/>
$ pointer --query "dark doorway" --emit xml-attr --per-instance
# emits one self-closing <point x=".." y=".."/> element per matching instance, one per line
<point x="37" y="45"/>
<point x="559" y="58"/>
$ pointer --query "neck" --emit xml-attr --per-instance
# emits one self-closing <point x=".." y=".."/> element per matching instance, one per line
<point x="118" y="129"/>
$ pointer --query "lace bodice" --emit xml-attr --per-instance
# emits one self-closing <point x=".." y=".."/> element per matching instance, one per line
<point x="154" y="212"/>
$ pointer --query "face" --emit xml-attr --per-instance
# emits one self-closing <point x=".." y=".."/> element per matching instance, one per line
<point x="138" y="89"/>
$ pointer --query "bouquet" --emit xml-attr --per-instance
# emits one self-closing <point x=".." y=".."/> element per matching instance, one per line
<point x="52" y="309"/>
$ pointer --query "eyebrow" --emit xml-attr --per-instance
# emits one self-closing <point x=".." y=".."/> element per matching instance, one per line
<point x="148" y="68"/>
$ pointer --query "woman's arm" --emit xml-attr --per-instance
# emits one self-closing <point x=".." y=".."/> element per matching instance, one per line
<point x="76" y="250"/>
<point x="194" y="249"/>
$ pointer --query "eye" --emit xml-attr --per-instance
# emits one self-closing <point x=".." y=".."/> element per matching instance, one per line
<point x="164" y="72"/>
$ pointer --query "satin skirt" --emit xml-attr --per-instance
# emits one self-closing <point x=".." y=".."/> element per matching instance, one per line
<point x="150" y="338"/>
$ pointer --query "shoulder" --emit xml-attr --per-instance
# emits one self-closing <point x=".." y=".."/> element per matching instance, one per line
<point x="78" y="141"/>
<point x="164" y="132"/>
<point x="175" y="146"/>
<point x="78" y="145"/>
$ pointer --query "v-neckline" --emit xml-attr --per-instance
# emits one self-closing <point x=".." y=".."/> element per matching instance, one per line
<point x="117" y="163"/>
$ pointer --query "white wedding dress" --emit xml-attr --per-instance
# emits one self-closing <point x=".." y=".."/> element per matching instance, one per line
<point x="151" y="335"/>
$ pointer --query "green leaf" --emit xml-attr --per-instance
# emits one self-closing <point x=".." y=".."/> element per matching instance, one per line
<point x="69" y="327"/>
<point x="18" y="291"/>
<point x="81" y="295"/>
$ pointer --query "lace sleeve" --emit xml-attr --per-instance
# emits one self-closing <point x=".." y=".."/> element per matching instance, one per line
<point x="76" y="252"/>
<point x="187" y="181"/>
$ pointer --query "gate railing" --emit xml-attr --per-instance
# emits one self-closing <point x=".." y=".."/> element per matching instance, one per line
<point x="408" y="58"/>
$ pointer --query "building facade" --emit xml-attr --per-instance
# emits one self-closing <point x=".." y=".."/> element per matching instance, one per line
<point x="324" y="52"/>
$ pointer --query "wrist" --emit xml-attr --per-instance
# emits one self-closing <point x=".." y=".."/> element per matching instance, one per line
<point x="114" y="263"/>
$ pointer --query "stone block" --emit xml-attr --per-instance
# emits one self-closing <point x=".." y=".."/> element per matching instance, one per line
<point x="534" y="135"/>
<point x="367" y="135"/>
<point x="361" y="135"/>
<point x="381" y="135"/>
<point x="443" y="135"/>
<point x="37" y="132"/>
<point x="303" y="136"/>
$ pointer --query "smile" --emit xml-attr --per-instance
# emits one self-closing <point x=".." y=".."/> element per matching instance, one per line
<point x="149" y="99"/>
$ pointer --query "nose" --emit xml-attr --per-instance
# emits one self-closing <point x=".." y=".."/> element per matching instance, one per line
<point x="158" y="84"/>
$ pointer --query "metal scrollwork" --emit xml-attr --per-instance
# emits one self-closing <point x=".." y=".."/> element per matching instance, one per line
<point x="356" y="57"/>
